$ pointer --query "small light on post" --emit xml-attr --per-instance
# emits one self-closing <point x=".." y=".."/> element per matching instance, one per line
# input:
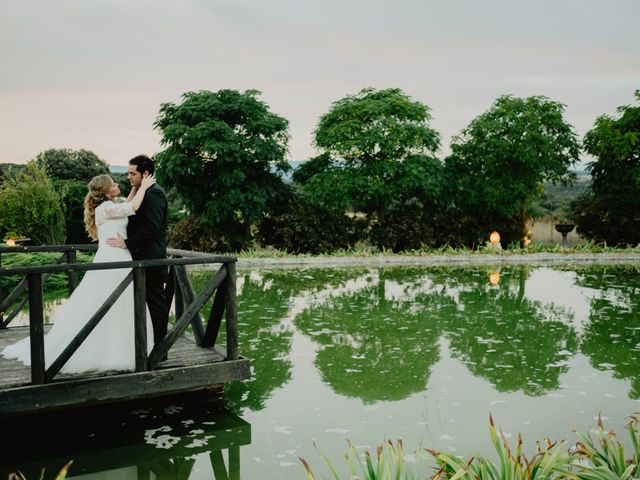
<point x="494" y="241"/>
<point x="526" y="240"/>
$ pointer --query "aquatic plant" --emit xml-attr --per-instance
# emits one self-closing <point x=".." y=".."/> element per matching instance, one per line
<point x="62" y="474"/>
<point x="605" y="459"/>
<point x="388" y="463"/>
<point x="602" y="459"/>
<point x="549" y="462"/>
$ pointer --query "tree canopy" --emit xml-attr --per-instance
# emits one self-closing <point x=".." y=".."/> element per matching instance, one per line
<point x="224" y="154"/>
<point x="68" y="164"/>
<point x="610" y="209"/>
<point x="500" y="161"/>
<point x="369" y="142"/>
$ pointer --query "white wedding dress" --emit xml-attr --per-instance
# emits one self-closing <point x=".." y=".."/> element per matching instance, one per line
<point x="110" y="346"/>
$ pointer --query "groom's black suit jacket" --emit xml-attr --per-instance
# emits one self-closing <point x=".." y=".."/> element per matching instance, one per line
<point x="147" y="229"/>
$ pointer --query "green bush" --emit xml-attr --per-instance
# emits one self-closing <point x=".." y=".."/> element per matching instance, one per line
<point x="72" y="193"/>
<point x="193" y="234"/>
<point x="608" y="218"/>
<point x="303" y="228"/>
<point x="406" y="227"/>
<point x="30" y="207"/>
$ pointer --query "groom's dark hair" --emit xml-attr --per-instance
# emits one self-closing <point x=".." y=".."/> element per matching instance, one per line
<point x="143" y="164"/>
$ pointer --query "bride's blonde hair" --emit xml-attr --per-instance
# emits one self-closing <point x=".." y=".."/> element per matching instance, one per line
<point x="98" y="188"/>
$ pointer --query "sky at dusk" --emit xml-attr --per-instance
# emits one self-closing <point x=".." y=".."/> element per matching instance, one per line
<point x="92" y="74"/>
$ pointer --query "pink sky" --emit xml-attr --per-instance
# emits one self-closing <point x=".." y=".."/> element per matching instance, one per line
<point x="92" y="75"/>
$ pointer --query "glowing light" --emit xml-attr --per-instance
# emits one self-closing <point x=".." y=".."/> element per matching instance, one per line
<point x="494" y="238"/>
<point x="494" y="278"/>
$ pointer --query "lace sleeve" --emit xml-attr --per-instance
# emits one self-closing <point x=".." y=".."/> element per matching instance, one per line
<point x="109" y="210"/>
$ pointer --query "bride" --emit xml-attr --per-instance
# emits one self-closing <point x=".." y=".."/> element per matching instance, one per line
<point x="110" y="346"/>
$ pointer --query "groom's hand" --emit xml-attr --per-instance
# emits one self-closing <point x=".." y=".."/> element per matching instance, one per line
<point x="116" y="241"/>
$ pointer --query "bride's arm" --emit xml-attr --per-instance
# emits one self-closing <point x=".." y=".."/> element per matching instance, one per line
<point x="136" y="201"/>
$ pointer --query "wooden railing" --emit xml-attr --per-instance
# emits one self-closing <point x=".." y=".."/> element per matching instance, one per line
<point x="188" y="304"/>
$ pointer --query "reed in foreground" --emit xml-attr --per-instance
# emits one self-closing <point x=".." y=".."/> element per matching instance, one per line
<point x="601" y="459"/>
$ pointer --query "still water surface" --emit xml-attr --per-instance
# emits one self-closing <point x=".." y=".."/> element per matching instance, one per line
<point x="422" y="354"/>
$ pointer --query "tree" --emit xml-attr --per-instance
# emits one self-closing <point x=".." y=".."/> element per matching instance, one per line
<point x="225" y="152"/>
<point x="368" y="141"/>
<point x="500" y="161"/>
<point x="30" y="207"/>
<point x="610" y="209"/>
<point x="67" y="164"/>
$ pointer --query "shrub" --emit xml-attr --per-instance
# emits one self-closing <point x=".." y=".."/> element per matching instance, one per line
<point x="304" y="228"/>
<point x="72" y="193"/>
<point x="405" y="227"/>
<point x="31" y="207"/>
<point x="193" y="234"/>
<point x="608" y="218"/>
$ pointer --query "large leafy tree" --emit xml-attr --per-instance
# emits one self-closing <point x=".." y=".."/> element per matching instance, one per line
<point x="31" y="207"/>
<point x="68" y="164"/>
<point x="500" y="161"/>
<point x="225" y="152"/>
<point x="610" y="210"/>
<point x="373" y="145"/>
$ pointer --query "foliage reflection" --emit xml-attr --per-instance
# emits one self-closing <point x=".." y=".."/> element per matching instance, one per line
<point x="380" y="331"/>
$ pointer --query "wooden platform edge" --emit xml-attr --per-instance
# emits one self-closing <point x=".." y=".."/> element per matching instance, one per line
<point x="122" y="387"/>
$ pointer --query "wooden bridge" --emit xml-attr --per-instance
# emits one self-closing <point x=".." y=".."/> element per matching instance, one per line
<point x="194" y="364"/>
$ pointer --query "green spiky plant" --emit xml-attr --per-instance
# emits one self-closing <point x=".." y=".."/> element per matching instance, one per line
<point x="606" y="456"/>
<point x="388" y="463"/>
<point x="549" y="462"/>
<point x="62" y="474"/>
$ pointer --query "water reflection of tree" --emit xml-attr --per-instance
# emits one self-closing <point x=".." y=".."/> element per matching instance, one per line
<point x="376" y="347"/>
<point x="612" y="337"/>
<point x="263" y="303"/>
<point x="515" y="343"/>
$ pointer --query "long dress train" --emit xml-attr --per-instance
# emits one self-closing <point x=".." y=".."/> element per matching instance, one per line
<point x="110" y="346"/>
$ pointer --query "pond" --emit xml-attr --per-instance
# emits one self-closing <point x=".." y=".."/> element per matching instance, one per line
<point x="425" y="354"/>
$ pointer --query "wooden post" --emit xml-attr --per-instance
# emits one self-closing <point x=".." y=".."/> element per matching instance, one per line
<point x="36" y="328"/>
<point x="170" y="287"/>
<point x="215" y="318"/>
<point x="234" y="462"/>
<point x="231" y="312"/>
<point x="188" y="295"/>
<point x="72" y="279"/>
<point x="160" y="349"/>
<point x="140" y="318"/>
<point x="179" y="298"/>
<point x="217" y="465"/>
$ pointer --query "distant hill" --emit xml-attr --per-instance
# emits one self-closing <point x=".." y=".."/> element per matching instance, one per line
<point x="117" y="169"/>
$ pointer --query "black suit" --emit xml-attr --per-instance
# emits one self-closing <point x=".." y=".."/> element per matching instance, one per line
<point x="147" y="239"/>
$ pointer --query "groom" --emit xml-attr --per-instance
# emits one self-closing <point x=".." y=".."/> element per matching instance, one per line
<point x="147" y="239"/>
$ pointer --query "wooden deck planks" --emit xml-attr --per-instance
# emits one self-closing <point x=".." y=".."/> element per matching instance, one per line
<point x="189" y="368"/>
